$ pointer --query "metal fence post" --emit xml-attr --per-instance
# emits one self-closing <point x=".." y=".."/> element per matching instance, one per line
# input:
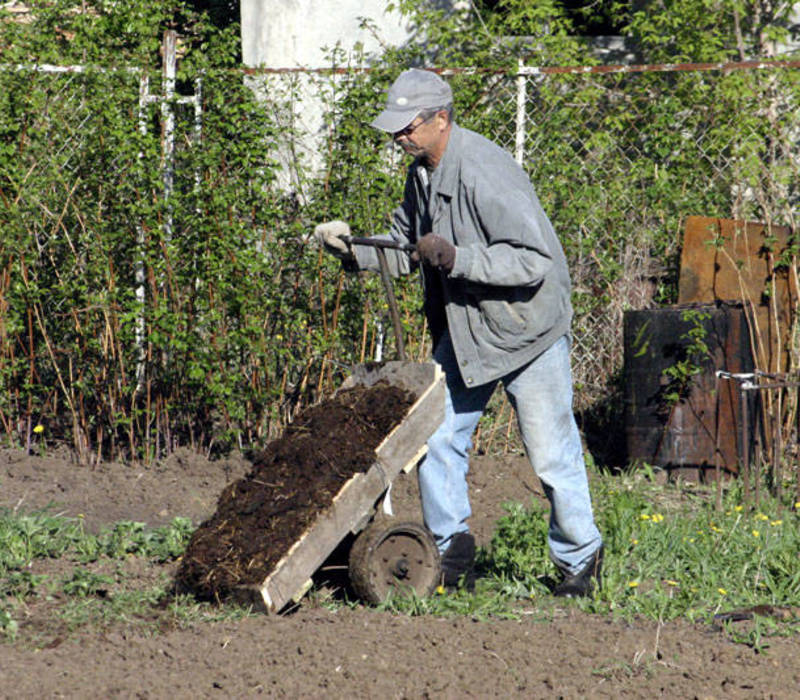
<point x="168" y="124"/>
<point x="519" y="144"/>
<point x="139" y="273"/>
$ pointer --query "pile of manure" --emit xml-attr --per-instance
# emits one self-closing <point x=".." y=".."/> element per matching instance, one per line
<point x="295" y="478"/>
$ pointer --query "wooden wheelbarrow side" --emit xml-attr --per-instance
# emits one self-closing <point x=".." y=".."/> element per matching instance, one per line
<point x="354" y="505"/>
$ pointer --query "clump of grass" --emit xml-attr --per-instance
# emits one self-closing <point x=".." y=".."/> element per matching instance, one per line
<point x="687" y="559"/>
<point x="88" y="595"/>
<point x="38" y="535"/>
<point x="24" y="537"/>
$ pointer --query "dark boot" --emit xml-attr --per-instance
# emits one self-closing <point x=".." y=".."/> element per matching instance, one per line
<point x="458" y="561"/>
<point x="585" y="581"/>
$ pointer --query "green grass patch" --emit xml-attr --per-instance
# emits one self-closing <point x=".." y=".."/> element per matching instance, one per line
<point x="38" y="535"/>
<point x="669" y="554"/>
<point x="87" y="596"/>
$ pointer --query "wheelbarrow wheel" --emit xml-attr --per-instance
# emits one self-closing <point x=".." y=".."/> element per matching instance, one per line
<point x="394" y="558"/>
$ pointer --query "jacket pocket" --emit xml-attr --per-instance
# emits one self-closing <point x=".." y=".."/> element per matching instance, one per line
<point x="512" y="318"/>
<point x="501" y="317"/>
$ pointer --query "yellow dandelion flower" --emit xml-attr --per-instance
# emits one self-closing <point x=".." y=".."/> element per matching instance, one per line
<point x="775" y="523"/>
<point x="722" y="591"/>
<point x="440" y="590"/>
<point x="761" y="516"/>
<point x="756" y="533"/>
<point x="670" y="582"/>
<point x="738" y="509"/>
<point x="715" y="528"/>
<point x="634" y="541"/>
<point x="38" y="429"/>
<point x="644" y="516"/>
<point x="797" y="506"/>
<point x="657" y="518"/>
<point x="633" y="584"/>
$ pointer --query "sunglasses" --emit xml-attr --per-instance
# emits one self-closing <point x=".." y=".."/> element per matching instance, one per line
<point x="411" y="128"/>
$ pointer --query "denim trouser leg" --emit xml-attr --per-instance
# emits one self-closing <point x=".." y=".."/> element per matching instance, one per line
<point x="541" y="393"/>
<point x="443" y="472"/>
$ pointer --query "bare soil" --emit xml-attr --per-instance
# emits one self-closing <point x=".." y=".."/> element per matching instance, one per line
<point x="553" y="650"/>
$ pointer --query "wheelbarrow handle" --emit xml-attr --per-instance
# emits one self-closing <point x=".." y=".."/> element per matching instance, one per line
<point x="380" y="243"/>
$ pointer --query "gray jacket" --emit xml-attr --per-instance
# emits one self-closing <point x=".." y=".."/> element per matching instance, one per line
<point x="507" y="298"/>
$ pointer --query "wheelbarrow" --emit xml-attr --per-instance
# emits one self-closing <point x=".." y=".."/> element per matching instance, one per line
<point x="388" y="555"/>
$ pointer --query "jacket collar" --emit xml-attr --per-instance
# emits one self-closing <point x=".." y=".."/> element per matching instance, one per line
<point x="444" y="179"/>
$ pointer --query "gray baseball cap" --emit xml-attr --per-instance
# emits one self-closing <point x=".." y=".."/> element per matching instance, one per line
<point x="413" y="92"/>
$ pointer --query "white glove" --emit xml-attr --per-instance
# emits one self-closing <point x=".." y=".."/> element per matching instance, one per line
<point x="331" y="235"/>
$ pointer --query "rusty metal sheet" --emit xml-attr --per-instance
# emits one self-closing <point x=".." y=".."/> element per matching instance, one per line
<point x="683" y="434"/>
<point x="730" y="260"/>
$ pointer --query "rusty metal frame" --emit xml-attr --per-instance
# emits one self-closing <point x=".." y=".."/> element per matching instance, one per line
<point x="752" y="382"/>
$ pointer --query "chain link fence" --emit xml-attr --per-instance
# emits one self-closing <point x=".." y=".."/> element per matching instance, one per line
<point x="101" y="163"/>
<point x="620" y="157"/>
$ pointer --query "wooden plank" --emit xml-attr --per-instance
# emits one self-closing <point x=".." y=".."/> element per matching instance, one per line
<point x="423" y="417"/>
<point x="402" y="445"/>
<point x="351" y="504"/>
<point x="730" y="260"/>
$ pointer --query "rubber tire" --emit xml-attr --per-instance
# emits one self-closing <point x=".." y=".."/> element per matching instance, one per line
<point x="383" y="546"/>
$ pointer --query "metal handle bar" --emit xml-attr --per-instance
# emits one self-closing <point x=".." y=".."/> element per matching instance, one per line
<point x="380" y="243"/>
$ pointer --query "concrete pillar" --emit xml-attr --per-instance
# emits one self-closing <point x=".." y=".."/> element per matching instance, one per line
<point x="295" y="33"/>
<point x="300" y="34"/>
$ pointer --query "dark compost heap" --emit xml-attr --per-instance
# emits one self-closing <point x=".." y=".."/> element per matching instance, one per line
<point x="293" y="480"/>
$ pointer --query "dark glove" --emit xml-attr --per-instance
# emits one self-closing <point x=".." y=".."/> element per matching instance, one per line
<point x="436" y="252"/>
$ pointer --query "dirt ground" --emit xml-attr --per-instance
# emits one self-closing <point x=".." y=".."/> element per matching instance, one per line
<point x="552" y="651"/>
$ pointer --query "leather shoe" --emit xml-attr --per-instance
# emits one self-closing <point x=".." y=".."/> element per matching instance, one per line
<point x="458" y="561"/>
<point x="585" y="581"/>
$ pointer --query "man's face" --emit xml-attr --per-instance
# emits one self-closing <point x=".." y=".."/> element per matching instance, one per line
<point x="424" y="137"/>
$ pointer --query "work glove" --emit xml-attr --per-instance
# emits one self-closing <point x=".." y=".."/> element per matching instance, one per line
<point x="435" y="251"/>
<point x="332" y="237"/>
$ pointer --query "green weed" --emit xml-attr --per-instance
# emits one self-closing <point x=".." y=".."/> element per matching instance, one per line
<point x="129" y="537"/>
<point x="669" y="554"/>
<point x="129" y="607"/>
<point x="20" y="584"/>
<point x="184" y="610"/>
<point x="691" y="560"/>
<point x="8" y="626"/>
<point x="27" y="537"/>
<point x="85" y="583"/>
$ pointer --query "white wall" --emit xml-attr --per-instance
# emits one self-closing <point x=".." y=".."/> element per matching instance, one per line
<point x="299" y="34"/>
<point x="292" y="33"/>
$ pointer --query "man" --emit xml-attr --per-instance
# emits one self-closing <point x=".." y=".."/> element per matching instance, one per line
<point x="497" y="298"/>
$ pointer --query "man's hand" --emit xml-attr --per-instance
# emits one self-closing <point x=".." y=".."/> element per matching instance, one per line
<point x="436" y="252"/>
<point x="331" y="235"/>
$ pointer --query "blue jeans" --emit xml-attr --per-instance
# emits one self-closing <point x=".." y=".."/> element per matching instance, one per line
<point x="541" y="394"/>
